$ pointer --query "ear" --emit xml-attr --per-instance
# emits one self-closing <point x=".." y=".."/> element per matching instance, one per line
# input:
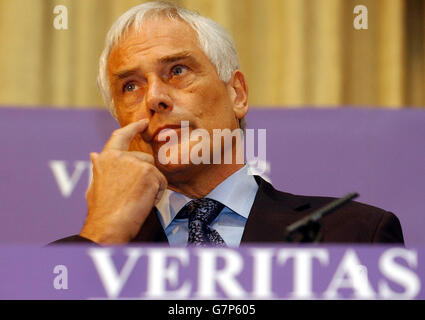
<point x="238" y="92"/>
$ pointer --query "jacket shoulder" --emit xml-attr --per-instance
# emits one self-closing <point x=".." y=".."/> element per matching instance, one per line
<point x="355" y="222"/>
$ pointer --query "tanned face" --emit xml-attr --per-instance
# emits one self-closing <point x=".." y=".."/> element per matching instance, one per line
<point x="160" y="72"/>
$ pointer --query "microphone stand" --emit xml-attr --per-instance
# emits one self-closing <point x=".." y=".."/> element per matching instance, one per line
<point x="308" y="229"/>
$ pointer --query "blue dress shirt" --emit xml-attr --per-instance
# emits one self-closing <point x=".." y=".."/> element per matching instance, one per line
<point x="236" y="193"/>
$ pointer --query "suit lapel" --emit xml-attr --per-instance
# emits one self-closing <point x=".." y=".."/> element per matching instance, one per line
<point x="271" y="213"/>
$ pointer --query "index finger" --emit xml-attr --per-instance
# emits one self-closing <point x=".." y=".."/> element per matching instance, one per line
<point x="121" y="138"/>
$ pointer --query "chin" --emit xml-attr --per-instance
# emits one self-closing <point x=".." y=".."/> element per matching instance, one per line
<point x="178" y="173"/>
<point x="173" y="164"/>
<point x="172" y="168"/>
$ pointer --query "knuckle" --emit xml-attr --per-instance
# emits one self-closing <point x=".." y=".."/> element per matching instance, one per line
<point x="111" y="154"/>
<point x="149" y="158"/>
<point x="146" y="157"/>
<point x="94" y="162"/>
<point x="117" y="132"/>
<point x="149" y="173"/>
<point x="157" y="186"/>
<point x="148" y="169"/>
<point x="136" y="163"/>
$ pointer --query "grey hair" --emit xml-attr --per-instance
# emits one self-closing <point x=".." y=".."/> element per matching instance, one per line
<point x="214" y="40"/>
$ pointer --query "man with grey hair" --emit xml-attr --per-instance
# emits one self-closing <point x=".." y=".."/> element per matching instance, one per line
<point x="163" y="65"/>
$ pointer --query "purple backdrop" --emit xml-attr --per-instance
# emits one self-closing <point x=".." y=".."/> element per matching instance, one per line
<point x="45" y="166"/>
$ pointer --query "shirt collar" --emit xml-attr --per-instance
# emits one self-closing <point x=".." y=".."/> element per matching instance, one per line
<point x="227" y="192"/>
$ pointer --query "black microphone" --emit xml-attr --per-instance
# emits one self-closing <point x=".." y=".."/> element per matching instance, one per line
<point x="308" y="229"/>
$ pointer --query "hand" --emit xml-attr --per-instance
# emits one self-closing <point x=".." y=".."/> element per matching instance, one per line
<point x="125" y="187"/>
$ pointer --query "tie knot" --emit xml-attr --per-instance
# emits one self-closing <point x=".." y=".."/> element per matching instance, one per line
<point x="204" y="209"/>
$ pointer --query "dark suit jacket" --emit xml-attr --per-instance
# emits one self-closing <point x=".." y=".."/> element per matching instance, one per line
<point x="273" y="211"/>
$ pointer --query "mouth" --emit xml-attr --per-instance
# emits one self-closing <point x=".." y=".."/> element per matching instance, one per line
<point x="164" y="130"/>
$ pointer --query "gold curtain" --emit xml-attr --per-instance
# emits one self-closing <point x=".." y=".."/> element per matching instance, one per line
<point x="294" y="52"/>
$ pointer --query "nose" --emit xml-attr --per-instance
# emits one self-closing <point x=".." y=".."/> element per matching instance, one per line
<point x="157" y="96"/>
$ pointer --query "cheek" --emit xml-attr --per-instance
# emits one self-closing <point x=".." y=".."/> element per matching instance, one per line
<point x="124" y="117"/>
<point x="130" y="114"/>
<point x="211" y="100"/>
<point x="218" y="109"/>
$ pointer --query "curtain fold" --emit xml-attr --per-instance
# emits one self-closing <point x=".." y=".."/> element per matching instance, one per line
<point x="294" y="53"/>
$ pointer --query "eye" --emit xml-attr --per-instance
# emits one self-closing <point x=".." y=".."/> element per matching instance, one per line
<point x="178" y="70"/>
<point x="129" y="87"/>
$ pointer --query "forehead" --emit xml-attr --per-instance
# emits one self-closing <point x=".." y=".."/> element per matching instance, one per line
<point x="157" y="37"/>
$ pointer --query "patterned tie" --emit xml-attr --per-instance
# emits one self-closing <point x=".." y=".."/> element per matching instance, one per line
<point x="201" y="212"/>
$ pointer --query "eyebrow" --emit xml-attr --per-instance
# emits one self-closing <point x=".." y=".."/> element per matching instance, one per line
<point x="125" y="74"/>
<point x="175" y="57"/>
<point x="164" y="60"/>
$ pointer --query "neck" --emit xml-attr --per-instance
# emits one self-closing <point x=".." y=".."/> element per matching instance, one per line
<point x="198" y="181"/>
